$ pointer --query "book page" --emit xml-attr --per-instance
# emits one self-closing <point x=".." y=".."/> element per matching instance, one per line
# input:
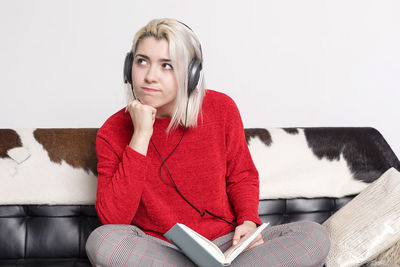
<point x="232" y="252"/>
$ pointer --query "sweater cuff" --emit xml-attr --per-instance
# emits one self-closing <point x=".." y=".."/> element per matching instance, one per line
<point x="133" y="153"/>
<point x="255" y="219"/>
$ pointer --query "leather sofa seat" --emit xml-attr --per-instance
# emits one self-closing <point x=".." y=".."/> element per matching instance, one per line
<point x="44" y="235"/>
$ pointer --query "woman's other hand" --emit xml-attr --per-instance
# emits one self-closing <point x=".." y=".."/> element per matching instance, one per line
<point x="242" y="230"/>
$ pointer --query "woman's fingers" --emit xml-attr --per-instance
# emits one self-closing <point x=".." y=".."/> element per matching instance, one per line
<point x="143" y="117"/>
<point x="239" y="232"/>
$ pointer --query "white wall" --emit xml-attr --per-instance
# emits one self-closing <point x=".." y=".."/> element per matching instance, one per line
<point x="285" y="63"/>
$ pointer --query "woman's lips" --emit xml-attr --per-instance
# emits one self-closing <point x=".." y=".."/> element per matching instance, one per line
<point x="147" y="89"/>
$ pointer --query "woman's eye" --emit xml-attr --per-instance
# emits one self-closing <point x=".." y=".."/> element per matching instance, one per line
<point x="141" y="61"/>
<point x="167" y="66"/>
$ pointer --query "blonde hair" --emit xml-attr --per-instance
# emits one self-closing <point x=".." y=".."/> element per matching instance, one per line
<point x="183" y="47"/>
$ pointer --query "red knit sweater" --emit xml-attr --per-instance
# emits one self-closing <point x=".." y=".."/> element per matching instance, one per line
<point x="212" y="168"/>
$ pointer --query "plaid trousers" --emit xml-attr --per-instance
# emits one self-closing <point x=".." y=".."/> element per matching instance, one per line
<point x="294" y="244"/>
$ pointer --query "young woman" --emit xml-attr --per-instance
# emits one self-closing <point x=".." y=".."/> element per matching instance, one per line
<point x="177" y="153"/>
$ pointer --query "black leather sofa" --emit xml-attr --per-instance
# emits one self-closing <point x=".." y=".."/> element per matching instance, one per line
<point x="55" y="235"/>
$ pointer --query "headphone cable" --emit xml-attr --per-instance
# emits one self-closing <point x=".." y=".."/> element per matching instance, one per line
<point x="173" y="184"/>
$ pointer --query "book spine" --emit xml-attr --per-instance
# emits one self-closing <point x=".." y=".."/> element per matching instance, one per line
<point x="191" y="248"/>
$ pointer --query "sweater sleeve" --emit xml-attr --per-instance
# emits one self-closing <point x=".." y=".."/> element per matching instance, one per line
<point x="242" y="175"/>
<point x="120" y="182"/>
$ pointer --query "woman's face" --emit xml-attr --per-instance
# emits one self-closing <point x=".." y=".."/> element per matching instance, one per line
<point x="153" y="76"/>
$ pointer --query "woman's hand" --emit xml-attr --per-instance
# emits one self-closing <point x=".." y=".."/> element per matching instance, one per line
<point x="242" y="230"/>
<point x="143" y="117"/>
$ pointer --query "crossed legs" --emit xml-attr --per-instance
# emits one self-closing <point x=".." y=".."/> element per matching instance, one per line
<point x="294" y="244"/>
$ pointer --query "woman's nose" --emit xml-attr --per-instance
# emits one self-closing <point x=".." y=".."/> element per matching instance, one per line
<point x="151" y="74"/>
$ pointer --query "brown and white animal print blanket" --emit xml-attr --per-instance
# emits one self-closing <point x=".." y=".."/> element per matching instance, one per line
<point x="318" y="162"/>
<point x="58" y="166"/>
<point x="48" y="166"/>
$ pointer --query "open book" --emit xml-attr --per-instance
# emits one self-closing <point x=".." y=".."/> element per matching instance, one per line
<point x="202" y="251"/>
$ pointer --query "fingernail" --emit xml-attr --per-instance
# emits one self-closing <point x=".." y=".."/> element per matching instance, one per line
<point x="235" y="242"/>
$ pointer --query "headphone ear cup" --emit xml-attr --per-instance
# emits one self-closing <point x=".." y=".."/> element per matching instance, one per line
<point x="128" y="68"/>
<point x="194" y="70"/>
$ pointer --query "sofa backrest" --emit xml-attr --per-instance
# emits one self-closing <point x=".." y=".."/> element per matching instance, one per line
<point x="30" y="229"/>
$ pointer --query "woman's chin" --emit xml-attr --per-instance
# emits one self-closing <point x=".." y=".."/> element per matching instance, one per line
<point x="145" y="100"/>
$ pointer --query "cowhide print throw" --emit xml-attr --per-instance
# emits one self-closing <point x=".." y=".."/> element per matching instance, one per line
<point x="58" y="166"/>
<point x="48" y="166"/>
<point x="318" y="162"/>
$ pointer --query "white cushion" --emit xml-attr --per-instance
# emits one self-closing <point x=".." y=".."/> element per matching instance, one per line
<point x="368" y="225"/>
<point x="390" y="257"/>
